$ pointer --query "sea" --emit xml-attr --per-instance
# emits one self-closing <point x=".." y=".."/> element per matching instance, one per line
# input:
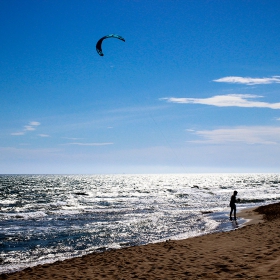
<point x="46" y="218"/>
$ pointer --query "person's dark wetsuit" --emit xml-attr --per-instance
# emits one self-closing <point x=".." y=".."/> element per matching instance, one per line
<point x="232" y="205"/>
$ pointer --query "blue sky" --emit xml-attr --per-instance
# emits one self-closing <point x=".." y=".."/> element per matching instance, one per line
<point x="194" y="88"/>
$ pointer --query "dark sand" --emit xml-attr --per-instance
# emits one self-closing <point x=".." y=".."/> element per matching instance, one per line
<point x="250" y="252"/>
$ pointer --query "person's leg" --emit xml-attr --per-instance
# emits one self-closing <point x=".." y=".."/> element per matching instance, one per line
<point x="230" y="215"/>
<point x="234" y="212"/>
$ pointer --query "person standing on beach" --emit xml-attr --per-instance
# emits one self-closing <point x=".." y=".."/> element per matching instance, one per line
<point x="232" y="205"/>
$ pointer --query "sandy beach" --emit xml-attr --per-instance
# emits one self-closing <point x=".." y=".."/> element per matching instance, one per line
<point x="250" y="252"/>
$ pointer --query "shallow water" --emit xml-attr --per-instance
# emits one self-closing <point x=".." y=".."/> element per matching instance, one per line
<point x="44" y="218"/>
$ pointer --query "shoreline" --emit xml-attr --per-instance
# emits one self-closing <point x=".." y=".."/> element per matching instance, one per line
<point x="249" y="252"/>
<point x="251" y="216"/>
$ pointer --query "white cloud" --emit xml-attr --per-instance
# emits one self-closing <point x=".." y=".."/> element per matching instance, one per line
<point x="17" y="133"/>
<point x="72" y="138"/>
<point x="249" y="135"/>
<point x="91" y="144"/>
<point x="230" y="100"/>
<point x="34" y="123"/>
<point x="248" y="80"/>
<point x="30" y="127"/>
<point x="43" y="135"/>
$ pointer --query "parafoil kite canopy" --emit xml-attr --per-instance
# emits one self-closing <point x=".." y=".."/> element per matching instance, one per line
<point x="99" y="43"/>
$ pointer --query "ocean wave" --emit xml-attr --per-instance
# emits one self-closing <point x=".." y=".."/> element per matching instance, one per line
<point x="24" y="215"/>
<point x="45" y="218"/>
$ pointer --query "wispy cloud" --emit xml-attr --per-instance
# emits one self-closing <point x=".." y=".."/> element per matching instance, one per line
<point x="230" y="100"/>
<point x="90" y="144"/>
<point x="17" y="133"/>
<point x="249" y="135"/>
<point x="30" y="127"/>
<point x="43" y="135"/>
<point x="34" y="123"/>
<point x="136" y="109"/>
<point x="248" y="80"/>
<point x="72" y="138"/>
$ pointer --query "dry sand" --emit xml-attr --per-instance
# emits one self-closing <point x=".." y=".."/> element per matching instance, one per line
<point x="250" y="252"/>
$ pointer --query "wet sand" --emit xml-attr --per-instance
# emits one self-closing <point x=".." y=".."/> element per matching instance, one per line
<point x="250" y="252"/>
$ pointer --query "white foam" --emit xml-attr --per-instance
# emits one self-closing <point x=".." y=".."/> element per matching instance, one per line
<point x="25" y="215"/>
<point x="64" y="212"/>
<point x="8" y="201"/>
